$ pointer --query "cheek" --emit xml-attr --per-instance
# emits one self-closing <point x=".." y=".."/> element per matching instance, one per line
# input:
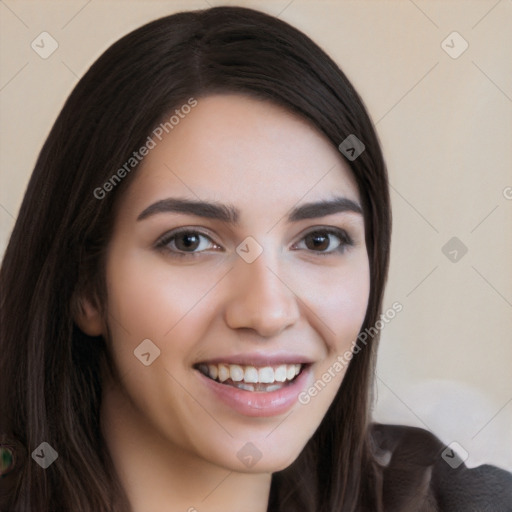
<point x="337" y="307"/>
<point x="337" y="300"/>
<point x="147" y="301"/>
<point x="347" y="307"/>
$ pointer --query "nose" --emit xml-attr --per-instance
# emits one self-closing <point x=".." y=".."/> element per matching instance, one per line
<point x="260" y="300"/>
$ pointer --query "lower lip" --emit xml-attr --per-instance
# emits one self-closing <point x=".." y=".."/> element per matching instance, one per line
<point x="258" y="404"/>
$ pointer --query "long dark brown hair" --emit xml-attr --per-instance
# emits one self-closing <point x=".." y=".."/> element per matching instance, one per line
<point x="49" y="369"/>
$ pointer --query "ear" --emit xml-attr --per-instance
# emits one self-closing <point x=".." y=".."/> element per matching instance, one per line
<point x="87" y="316"/>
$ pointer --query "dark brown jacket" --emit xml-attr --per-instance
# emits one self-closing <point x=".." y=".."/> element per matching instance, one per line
<point x="421" y="474"/>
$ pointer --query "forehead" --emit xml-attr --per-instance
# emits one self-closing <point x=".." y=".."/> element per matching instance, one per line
<point x="244" y="151"/>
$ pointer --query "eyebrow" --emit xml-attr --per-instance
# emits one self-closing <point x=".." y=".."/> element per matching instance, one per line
<point x="230" y="215"/>
<point x="323" y="208"/>
<point x="224" y="213"/>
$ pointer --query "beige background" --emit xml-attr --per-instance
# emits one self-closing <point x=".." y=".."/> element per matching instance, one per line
<point x="446" y="127"/>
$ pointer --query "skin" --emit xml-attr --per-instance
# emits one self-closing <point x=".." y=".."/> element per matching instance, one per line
<point x="173" y="442"/>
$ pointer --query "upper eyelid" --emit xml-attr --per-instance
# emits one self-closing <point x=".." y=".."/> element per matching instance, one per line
<point x="186" y="229"/>
<point x="329" y="229"/>
<point x="345" y="237"/>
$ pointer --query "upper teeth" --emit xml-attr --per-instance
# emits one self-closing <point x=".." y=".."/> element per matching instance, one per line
<point x="251" y="374"/>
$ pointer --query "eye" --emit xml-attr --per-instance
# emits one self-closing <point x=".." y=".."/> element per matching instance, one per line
<point x="325" y="241"/>
<point x="186" y="241"/>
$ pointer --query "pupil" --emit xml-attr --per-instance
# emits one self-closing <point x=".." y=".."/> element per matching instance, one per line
<point x="317" y="241"/>
<point x="188" y="242"/>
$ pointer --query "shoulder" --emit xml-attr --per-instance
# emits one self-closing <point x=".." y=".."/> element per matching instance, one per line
<point x="421" y="474"/>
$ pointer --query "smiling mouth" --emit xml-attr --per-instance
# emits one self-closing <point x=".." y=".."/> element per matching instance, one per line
<point x="262" y="379"/>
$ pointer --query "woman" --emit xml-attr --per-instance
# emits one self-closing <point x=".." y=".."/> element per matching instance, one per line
<point x="183" y="331"/>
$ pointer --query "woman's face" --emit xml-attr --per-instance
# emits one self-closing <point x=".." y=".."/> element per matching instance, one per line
<point x="238" y="250"/>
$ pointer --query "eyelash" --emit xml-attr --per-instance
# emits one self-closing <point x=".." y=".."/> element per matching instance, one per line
<point x="341" y="234"/>
<point x="164" y="241"/>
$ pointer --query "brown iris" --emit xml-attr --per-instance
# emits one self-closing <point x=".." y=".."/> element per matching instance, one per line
<point x="187" y="242"/>
<point x="317" y="241"/>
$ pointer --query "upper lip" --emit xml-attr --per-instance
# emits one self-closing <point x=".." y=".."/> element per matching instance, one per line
<point x="259" y="359"/>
